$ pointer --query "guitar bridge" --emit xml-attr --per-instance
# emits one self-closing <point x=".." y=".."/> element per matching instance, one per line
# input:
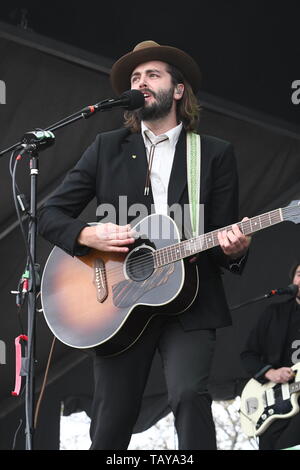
<point x="100" y="280"/>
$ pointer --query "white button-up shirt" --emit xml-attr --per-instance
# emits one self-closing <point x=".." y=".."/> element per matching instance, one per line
<point x="162" y="163"/>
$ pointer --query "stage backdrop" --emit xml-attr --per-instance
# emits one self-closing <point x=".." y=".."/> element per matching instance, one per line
<point x="45" y="86"/>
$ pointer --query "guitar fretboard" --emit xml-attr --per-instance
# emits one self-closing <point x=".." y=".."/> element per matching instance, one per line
<point x="209" y="240"/>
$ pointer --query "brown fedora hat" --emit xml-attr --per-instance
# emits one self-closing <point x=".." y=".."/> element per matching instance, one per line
<point x="147" y="51"/>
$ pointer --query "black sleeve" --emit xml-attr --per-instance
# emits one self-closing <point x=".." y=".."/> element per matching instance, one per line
<point x="224" y="206"/>
<point x="255" y="356"/>
<point x="57" y="219"/>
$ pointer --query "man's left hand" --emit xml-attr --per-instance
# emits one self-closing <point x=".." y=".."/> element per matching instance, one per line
<point x="234" y="243"/>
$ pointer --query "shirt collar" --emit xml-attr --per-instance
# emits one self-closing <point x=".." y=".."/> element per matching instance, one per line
<point x="173" y="134"/>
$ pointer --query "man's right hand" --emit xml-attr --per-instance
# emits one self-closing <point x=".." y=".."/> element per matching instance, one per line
<point x="107" y="237"/>
<point x="281" y="375"/>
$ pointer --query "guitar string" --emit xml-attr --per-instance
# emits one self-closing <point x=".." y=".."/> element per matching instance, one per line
<point x="198" y="242"/>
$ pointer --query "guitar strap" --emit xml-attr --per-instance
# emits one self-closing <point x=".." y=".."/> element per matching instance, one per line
<point x="193" y="142"/>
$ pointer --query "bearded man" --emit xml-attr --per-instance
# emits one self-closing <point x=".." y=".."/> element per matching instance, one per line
<point x="146" y="161"/>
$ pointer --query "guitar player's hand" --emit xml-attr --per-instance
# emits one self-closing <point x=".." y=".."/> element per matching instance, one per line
<point x="233" y="242"/>
<point x="281" y="375"/>
<point x="107" y="237"/>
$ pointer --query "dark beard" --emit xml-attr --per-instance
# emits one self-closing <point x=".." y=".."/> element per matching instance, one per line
<point x="159" y="109"/>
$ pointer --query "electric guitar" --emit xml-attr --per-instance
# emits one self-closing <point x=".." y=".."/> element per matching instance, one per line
<point x="106" y="299"/>
<point x="262" y="404"/>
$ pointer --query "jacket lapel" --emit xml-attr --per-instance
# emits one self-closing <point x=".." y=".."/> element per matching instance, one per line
<point x="178" y="177"/>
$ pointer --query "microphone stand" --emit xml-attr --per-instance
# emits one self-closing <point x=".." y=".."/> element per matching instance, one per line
<point x="83" y="113"/>
<point x="262" y="297"/>
<point x="32" y="297"/>
<point x="252" y="301"/>
<point x="31" y="143"/>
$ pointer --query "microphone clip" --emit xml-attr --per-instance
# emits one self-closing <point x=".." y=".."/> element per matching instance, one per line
<point x="36" y="140"/>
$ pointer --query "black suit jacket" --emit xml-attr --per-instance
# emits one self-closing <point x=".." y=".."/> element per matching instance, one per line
<point x="116" y="165"/>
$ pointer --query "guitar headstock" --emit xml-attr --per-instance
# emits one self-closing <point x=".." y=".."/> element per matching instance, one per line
<point x="292" y="212"/>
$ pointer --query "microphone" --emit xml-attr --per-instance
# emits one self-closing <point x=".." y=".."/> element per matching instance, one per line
<point x="292" y="289"/>
<point x="130" y="99"/>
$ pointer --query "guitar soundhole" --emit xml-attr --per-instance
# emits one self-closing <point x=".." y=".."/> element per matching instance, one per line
<point x="140" y="264"/>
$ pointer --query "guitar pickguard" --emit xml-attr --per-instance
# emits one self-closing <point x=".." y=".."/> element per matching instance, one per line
<point x="128" y="292"/>
<point x="280" y="406"/>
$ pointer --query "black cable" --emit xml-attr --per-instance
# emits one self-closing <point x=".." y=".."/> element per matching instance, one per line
<point x="25" y="240"/>
<point x="16" y="434"/>
<point x="29" y="262"/>
<point x="11" y="169"/>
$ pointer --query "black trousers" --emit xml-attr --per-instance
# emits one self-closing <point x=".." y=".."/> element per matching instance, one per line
<point x="120" y="382"/>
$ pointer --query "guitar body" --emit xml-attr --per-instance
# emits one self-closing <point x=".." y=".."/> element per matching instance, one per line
<point x="106" y="299"/>
<point x="262" y="404"/>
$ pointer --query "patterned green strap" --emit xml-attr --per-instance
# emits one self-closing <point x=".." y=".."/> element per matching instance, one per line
<point x="193" y="142"/>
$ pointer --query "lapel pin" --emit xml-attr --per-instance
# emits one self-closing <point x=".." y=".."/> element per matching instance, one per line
<point x="133" y="156"/>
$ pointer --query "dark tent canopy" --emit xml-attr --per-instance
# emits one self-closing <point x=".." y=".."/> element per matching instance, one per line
<point x="248" y="56"/>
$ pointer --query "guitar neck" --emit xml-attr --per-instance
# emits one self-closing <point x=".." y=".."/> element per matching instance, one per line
<point x="204" y="242"/>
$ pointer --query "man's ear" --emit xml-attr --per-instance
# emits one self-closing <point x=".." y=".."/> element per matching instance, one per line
<point x="179" y="90"/>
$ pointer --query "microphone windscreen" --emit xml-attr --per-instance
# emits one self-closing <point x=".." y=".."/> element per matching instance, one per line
<point x="293" y="289"/>
<point x="135" y="98"/>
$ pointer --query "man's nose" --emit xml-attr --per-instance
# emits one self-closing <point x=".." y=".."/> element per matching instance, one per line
<point x="143" y="81"/>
